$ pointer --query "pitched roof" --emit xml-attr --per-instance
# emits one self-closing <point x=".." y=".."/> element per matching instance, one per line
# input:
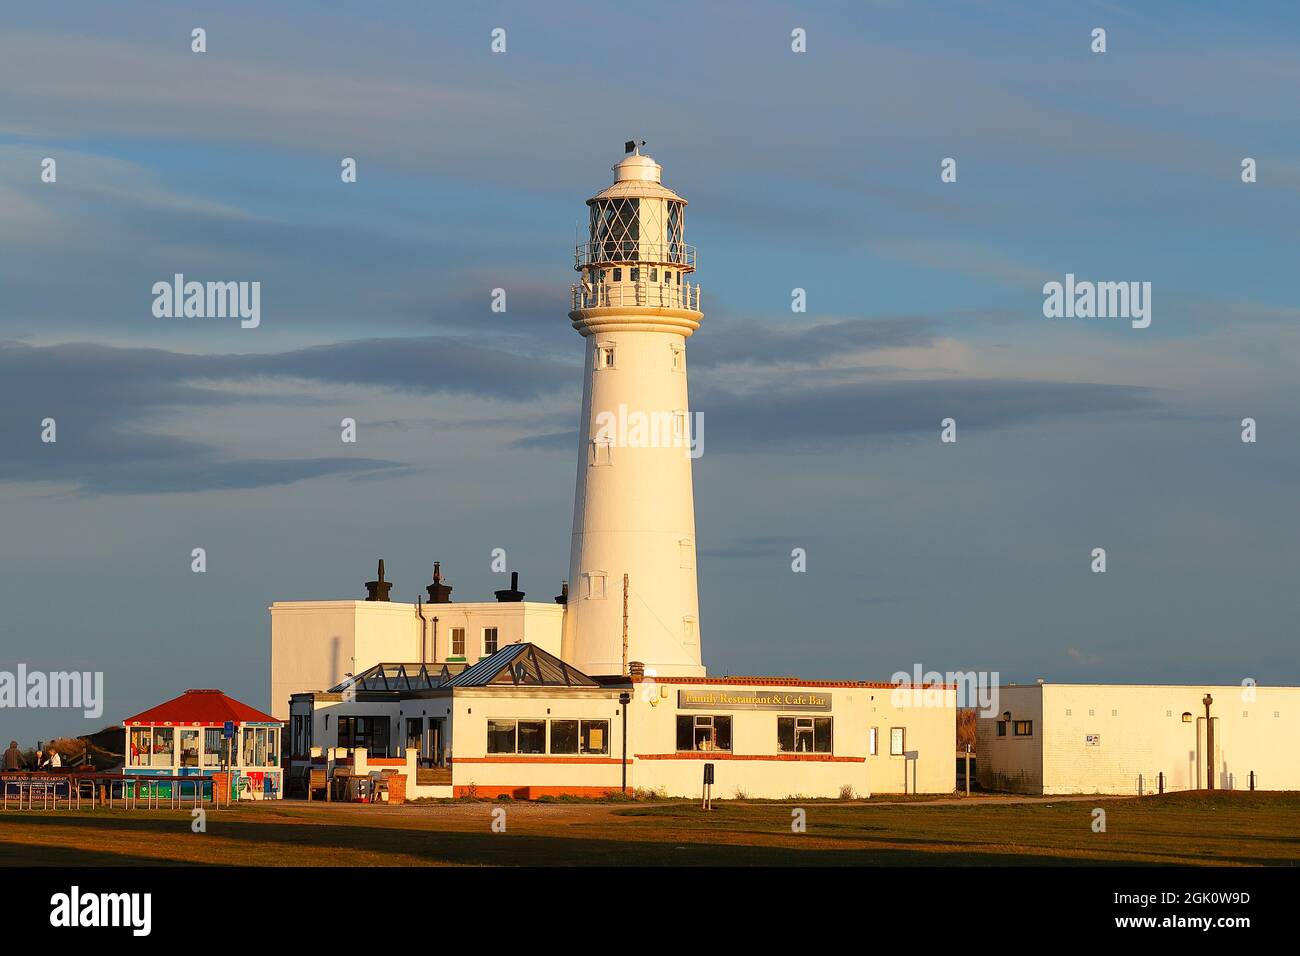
<point x="201" y="707"/>
<point x="400" y="677"/>
<point x="522" y="665"/>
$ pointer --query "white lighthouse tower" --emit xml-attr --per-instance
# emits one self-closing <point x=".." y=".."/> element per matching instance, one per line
<point x="634" y="509"/>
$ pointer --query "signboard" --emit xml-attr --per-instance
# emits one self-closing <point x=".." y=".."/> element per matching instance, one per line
<point x="771" y="699"/>
<point x="1093" y="740"/>
<point x="228" y="729"/>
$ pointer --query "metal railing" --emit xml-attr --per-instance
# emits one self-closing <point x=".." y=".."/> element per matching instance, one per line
<point x="643" y="294"/>
<point x="634" y="250"/>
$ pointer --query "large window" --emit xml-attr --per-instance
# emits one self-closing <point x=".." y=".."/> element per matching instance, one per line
<point x="261" y="747"/>
<point x="897" y="741"/>
<point x="370" y="733"/>
<point x="501" y="736"/>
<point x="152" y="747"/>
<point x="803" y="735"/>
<point x="873" y="741"/>
<point x="532" y="736"/>
<point x="564" y="736"/>
<point x="697" y="732"/>
<point x="214" y="746"/>
<point x="593" y="736"/>
<point x="457" y="642"/>
<point x="489" y="641"/>
<point x="513" y="736"/>
<point x="1023" y="728"/>
<point x="414" y="733"/>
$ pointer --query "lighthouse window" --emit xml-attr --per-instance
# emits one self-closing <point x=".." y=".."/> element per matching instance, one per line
<point x="635" y="273"/>
<point x="803" y="734"/>
<point x="618" y="275"/>
<point x="668" y="277"/>
<point x="654" y="275"/>
<point x="679" y="358"/>
<point x="605" y="356"/>
<point x="595" y="584"/>
<point x="601" y="453"/>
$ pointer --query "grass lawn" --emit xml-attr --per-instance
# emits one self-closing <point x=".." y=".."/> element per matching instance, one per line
<point x="1190" y="828"/>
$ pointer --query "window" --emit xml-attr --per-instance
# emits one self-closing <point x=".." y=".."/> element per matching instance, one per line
<point x="689" y="636"/>
<point x="532" y="736"/>
<point x="1023" y="728"/>
<point x="679" y="278"/>
<point x="803" y="734"/>
<point x="414" y="733"/>
<point x="680" y="430"/>
<point x="1002" y="728"/>
<point x="1069" y="712"/>
<point x="368" y="733"/>
<point x="604" y="356"/>
<point x="679" y="358"/>
<point x="189" y="748"/>
<point x="489" y="641"/>
<point x="261" y="746"/>
<point x="457" y="642"/>
<point x="654" y="274"/>
<point x="686" y="547"/>
<point x="668" y="277"/>
<point x="695" y="732"/>
<point x="618" y="275"/>
<point x="564" y="736"/>
<point x="301" y="727"/>
<point x="500" y="736"/>
<point x="634" y="273"/>
<point x="594" y="585"/>
<point x="602" y="451"/>
<point x="897" y="741"/>
<point x="873" y="741"/>
<point x="593" y="736"/>
<point x="163" y="742"/>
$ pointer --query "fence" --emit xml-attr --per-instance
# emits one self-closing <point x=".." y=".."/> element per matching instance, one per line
<point x="53" y="791"/>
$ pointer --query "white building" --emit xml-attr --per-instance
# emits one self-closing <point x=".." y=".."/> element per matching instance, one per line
<point x="604" y="689"/>
<point x="1131" y="738"/>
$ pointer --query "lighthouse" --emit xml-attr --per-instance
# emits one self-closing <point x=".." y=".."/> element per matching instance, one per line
<point x="633" y="594"/>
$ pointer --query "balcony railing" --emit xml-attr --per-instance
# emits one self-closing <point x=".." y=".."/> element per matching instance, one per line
<point x="633" y="250"/>
<point x="645" y="294"/>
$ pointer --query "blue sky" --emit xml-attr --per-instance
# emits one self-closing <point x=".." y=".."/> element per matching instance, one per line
<point x="817" y="170"/>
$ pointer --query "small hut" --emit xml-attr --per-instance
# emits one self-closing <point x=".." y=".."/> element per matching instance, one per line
<point x="202" y="733"/>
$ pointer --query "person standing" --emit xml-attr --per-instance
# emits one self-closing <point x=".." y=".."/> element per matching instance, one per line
<point x="13" y="757"/>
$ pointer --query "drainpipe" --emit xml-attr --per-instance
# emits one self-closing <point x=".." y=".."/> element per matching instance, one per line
<point x="625" y="698"/>
<point x="1209" y="743"/>
<point x="434" y="656"/>
<point x="424" y="627"/>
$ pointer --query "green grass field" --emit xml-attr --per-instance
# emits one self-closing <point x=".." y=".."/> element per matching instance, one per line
<point x="1180" y="829"/>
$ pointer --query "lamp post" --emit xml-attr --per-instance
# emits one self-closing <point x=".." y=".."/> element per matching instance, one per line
<point x="1209" y="743"/>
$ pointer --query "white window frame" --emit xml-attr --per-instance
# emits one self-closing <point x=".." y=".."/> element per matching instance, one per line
<point x="679" y="358"/>
<point x="590" y="590"/>
<point x="902" y="741"/>
<point x="496" y="633"/>
<point x="454" y="652"/>
<point x="605" y="350"/>
<point x="601" y="452"/>
<point x="873" y="741"/>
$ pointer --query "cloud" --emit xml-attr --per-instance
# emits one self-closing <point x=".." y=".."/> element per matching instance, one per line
<point x="106" y="402"/>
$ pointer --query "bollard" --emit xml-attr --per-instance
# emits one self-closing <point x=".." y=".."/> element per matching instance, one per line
<point x="1161" y="781"/>
<point x="1252" y="781"/>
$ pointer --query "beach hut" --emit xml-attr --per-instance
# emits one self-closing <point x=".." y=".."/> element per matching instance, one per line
<point x="204" y="733"/>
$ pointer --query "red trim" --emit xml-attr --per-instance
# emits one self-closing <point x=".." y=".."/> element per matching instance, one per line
<point x="532" y="793"/>
<point x="386" y="761"/>
<point x="720" y="755"/>
<point x="540" y="760"/>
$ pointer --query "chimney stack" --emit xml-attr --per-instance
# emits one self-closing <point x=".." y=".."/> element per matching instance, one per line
<point x="378" y="590"/>
<point x="439" y="593"/>
<point x="511" y="594"/>
<point x="563" y="596"/>
<point x="636" y="669"/>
